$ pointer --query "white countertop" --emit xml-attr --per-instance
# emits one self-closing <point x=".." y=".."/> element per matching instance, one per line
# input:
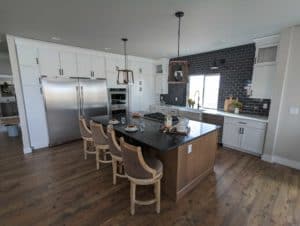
<point x="225" y="114"/>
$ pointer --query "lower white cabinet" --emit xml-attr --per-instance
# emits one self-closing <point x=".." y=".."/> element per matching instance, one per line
<point x="244" y="135"/>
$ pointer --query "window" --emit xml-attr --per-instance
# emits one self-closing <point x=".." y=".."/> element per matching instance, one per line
<point x="206" y="89"/>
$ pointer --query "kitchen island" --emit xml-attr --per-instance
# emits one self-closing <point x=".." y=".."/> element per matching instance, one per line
<point x="186" y="159"/>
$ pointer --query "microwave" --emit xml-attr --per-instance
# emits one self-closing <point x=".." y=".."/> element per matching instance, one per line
<point x="118" y="100"/>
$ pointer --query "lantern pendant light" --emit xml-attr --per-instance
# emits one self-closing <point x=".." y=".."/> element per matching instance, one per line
<point x="125" y="76"/>
<point x="178" y="69"/>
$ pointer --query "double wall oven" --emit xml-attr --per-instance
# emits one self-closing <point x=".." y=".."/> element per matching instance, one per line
<point x="118" y="99"/>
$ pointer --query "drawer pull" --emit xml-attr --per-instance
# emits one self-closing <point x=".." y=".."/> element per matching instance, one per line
<point x="244" y="123"/>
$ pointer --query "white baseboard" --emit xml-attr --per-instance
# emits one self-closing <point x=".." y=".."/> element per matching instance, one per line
<point x="267" y="158"/>
<point x="27" y="150"/>
<point x="287" y="162"/>
<point x="282" y="161"/>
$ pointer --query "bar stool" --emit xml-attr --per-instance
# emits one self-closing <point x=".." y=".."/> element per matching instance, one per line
<point x="86" y="135"/>
<point x="141" y="171"/>
<point x="116" y="155"/>
<point x="100" y="143"/>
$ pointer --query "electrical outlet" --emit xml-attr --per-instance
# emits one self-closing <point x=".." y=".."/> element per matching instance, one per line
<point x="265" y="106"/>
<point x="294" y="110"/>
<point x="190" y="148"/>
<point x="176" y="99"/>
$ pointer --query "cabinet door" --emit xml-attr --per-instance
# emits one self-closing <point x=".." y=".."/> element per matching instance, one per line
<point x="68" y="64"/>
<point x="113" y="63"/>
<point x="84" y="67"/>
<point x="27" y="55"/>
<point x="98" y="66"/>
<point x="231" y="135"/>
<point x="158" y="84"/>
<point x="49" y="62"/>
<point x="261" y="81"/>
<point x="252" y="139"/>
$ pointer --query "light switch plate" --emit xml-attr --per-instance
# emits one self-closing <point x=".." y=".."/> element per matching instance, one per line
<point x="190" y="148"/>
<point x="294" y="110"/>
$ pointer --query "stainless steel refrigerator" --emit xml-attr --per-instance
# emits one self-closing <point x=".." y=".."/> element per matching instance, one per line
<point x="68" y="98"/>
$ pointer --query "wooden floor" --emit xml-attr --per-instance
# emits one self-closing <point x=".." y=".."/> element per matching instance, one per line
<point x="57" y="187"/>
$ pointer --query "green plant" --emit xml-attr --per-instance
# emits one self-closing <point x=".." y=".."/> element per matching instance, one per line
<point x="236" y="104"/>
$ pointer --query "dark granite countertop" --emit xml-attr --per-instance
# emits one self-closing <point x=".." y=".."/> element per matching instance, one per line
<point x="152" y="137"/>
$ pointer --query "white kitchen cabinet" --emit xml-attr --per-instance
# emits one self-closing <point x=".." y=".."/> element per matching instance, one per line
<point x="27" y="55"/>
<point x="252" y="139"/>
<point x="161" y="84"/>
<point x="262" y="81"/>
<point x="54" y="62"/>
<point x="34" y="106"/>
<point x="68" y="63"/>
<point x="98" y="66"/>
<point x="161" y="79"/>
<point x="244" y="135"/>
<point x="90" y="66"/>
<point x="113" y="63"/>
<point x="84" y="67"/>
<point x="264" y="68"/>
<point x="231" y="135"/>
<point x="49" y="62"/>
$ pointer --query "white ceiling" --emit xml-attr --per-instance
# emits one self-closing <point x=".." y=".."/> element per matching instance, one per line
<point x="149" y="24"/>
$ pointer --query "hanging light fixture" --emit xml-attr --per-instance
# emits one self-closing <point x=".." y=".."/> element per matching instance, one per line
<point x="125" y="76"/>
<point x="178" y="68"/>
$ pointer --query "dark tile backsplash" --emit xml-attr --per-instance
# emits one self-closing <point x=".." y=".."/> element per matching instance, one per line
<point x="236" y="73"/>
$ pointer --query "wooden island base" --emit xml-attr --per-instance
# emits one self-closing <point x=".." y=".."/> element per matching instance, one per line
<point x="183" y="170"/>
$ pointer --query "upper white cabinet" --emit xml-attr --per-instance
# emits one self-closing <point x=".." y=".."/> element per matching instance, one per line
<point x="244" y="135"/>
<point x="90" y="66"/>
<point x="84" y="68"/>
<point x="161" y="78"/>
<point x="264" y="67"/>
<point x="27" y="55"/>
<point x="49" y="63"/>
<point x="54" y="62"/>
<point x="68" y="63"/>
<point x="98" y="66"/>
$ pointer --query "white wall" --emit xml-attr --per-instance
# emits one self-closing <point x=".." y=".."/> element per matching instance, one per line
<point x="282" y="140"/>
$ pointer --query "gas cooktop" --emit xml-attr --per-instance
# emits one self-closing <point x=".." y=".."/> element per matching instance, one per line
<point x="157" y="116"/>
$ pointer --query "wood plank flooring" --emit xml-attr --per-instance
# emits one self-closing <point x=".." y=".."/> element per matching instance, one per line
<point x="57" y="187"/>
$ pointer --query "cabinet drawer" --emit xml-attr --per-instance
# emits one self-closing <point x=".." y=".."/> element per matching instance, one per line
<point x="245" y="122"/>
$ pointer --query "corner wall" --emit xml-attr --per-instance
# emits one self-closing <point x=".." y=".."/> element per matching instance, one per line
<point x="282" y="140"/>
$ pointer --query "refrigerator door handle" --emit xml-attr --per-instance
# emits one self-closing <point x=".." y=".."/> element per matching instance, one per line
<point x="81" y="100"/>
<point x="78" y="100"/>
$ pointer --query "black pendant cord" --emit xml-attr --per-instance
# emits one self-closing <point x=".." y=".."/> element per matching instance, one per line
<point x="125" y="52"/>
<point x="179" y="14"/>
<point x="179" y="23"/>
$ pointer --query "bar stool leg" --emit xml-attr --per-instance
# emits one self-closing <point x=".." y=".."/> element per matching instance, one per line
<point x="157" y="195"/>
<point x="132" y="197"/>
<point x="97" y="158"/>
<point x="85" y="144"/>
<point x="114" y="166"/>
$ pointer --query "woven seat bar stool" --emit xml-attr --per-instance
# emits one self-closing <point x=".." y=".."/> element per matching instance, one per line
<point x="141" y="171"/>
<point x="86" y="135"/>
<point x="101" y="144"/>
<point x="116" y="155"/>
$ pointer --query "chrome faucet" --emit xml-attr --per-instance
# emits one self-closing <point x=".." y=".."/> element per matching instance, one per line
<point x="198" y="100"/>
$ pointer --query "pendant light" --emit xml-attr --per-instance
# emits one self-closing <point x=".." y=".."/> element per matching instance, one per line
<point x="125" y="76"/>
<point x="178" y="68"/>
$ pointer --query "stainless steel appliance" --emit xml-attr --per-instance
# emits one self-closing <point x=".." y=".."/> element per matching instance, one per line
<point x="68" y="98"/>
<point x="118" y="99"/>
<point x="8" y="104"/>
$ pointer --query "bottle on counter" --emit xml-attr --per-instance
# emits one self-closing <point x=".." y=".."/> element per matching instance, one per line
<point x="168" y="121"/>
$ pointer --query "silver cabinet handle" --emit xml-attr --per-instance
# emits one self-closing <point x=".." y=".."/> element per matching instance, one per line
<point x="62" y="71"/>
<point x="244" y="123"/>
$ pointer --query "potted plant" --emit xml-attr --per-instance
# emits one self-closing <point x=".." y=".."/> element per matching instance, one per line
<point x="191" y="102"/>
<point x="237" y="106"/>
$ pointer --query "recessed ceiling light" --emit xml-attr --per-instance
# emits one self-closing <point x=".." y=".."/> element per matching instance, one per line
<point x="56" y="38"/>
<point x="107" y="48"/>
